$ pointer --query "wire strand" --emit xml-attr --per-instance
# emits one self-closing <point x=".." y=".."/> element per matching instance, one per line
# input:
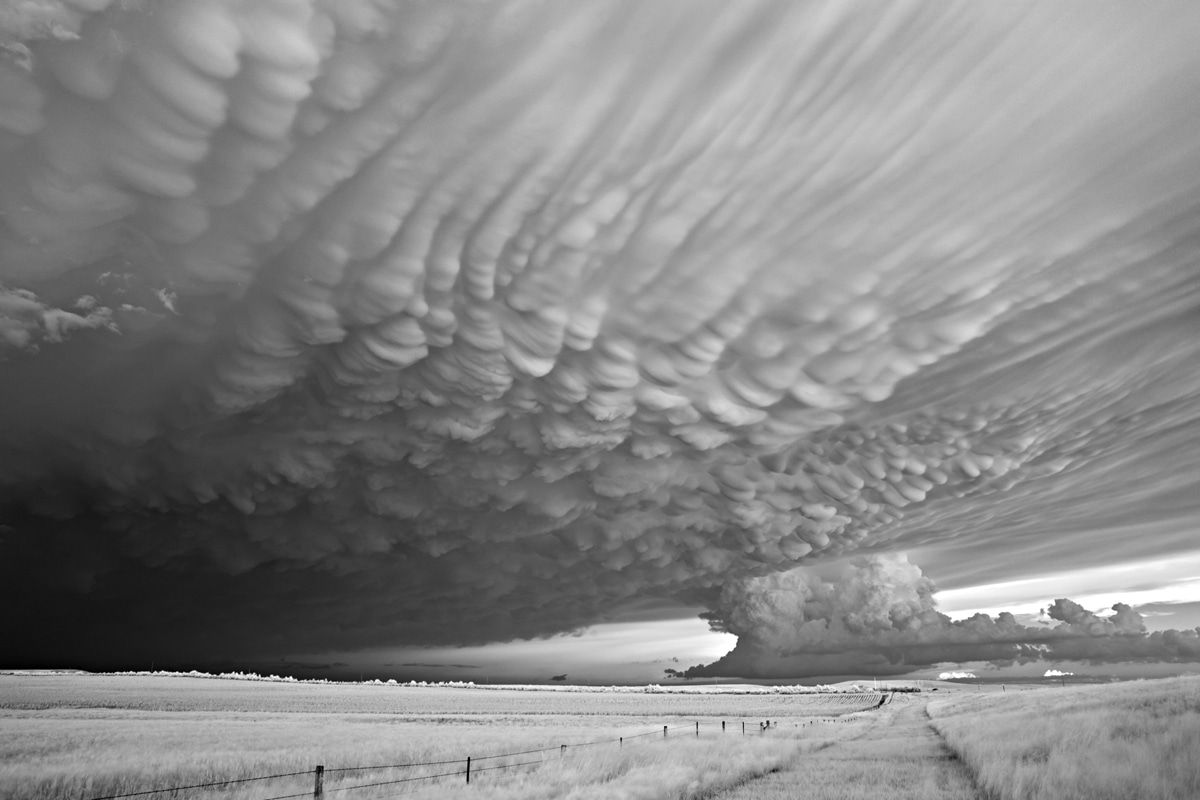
<point x="202" y="785"/>
<point x="509" y="766"/>
<point x="398" y="780"/>
<point x="521" y="753"/>
<point x="425" y="788"/>
<point x="399" y="766"/>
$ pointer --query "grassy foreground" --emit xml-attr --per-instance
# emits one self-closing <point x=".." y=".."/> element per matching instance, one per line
<point x="897" y="757"/>
<point x="81" y="737"/>
<point x="1102" y="742"/>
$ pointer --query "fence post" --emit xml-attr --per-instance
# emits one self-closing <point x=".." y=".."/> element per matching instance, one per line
<point x="697" y="727"/>
<point x="319" y="781"/>
<point x="622" y="744"/>
<point x="664" y="731"/>
<point x="468" y="769"/>
<point x="562" y="749"/>
<point x="743" y="728"/>
<point x="722" y="726"/>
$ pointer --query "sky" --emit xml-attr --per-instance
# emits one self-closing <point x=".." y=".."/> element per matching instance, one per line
<point x="613" y="340"/>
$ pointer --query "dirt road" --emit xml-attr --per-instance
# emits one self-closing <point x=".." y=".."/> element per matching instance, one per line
<point x="898" y="757"/>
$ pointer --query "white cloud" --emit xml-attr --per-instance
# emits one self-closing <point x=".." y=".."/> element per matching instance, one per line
<point x="1158" y="580"/>
<point x="879" y="616"/>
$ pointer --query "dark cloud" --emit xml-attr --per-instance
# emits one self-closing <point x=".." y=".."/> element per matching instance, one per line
<point x="293" y="667"/>
<point x="345" y="323"/>
<point x="442" y="666"/>
<point x="879" y="617"/>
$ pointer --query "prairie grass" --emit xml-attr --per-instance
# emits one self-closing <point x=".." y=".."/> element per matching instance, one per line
<point x="1101" y="742"/>
<point x="79" y="737"/>
<point x="177" y="693"/>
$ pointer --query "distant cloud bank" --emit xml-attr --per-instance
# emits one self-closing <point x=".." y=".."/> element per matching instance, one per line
<point x="879" y="617"/>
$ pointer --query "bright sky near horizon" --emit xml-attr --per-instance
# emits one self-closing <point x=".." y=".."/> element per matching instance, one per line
<point x="512" y="335"/>
<point x="640" y="651"/>
<point x="1173" y="581"/>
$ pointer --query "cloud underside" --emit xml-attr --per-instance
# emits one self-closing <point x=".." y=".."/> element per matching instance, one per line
<point x="878" y="617"/>
<point x="336" y="323"/>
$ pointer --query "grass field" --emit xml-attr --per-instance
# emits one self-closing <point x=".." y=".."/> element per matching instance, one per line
<point x="88" y="736"/>
<point x="1103" y="742"/>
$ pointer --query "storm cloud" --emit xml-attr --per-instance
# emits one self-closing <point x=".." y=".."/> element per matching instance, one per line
<point x="879" y="616"/>
<point x="328" y="324"/>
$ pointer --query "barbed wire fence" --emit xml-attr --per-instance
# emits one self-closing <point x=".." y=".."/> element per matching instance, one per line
<point x="468" y="767"/>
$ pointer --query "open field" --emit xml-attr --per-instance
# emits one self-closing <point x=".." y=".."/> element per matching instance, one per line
<point x="1120" y="741"/>
<point x="1125" y="740"/>
<point x="86" y="736"/>
<point x="187" y="694"/>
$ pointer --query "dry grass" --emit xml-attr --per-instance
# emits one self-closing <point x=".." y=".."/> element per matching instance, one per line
<point x="1109" y="742"/>
<point x="172" y="693"/>
<point x="88" y="736"/>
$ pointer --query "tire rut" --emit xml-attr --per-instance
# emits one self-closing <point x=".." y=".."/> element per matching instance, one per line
<point x="900" y="757"/>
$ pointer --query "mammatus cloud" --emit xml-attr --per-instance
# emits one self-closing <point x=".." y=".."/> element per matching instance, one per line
<point x="25" y="322"/>
<point x="879" y="617"/>
<point x="333" y="323"/>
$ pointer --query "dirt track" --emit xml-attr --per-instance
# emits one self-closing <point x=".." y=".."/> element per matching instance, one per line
<point x="898" y="757"/>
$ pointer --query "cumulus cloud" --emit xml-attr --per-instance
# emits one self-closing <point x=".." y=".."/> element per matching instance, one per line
<point x="454" y="322"/>
<point x="879" y="616"/>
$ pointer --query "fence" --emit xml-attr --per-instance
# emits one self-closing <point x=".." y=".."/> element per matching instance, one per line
<point x="469" y="767"/>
